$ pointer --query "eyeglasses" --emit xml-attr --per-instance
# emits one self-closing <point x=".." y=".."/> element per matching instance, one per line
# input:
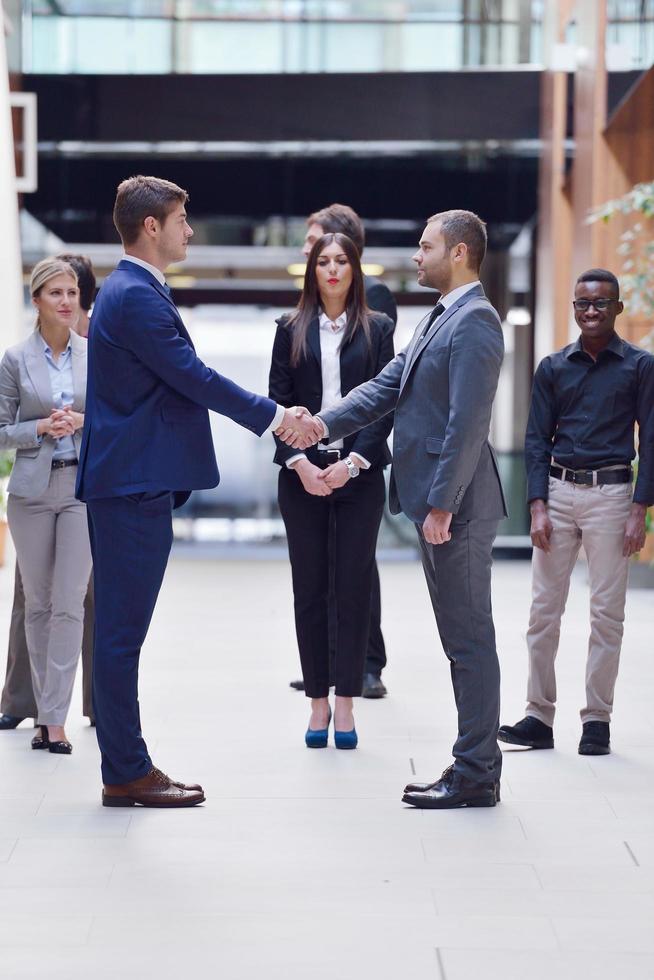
<point x="581" y="305"/>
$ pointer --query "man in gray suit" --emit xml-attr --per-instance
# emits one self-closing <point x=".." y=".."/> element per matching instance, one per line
<point x="445" y="478"/>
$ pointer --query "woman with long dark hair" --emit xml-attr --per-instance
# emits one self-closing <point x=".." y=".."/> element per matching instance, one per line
<point x="331" y="497"/>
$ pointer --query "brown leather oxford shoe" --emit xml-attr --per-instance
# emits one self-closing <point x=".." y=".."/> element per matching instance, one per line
<point x="155" y="790"/>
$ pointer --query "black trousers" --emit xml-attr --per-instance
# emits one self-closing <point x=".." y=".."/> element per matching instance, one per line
<point x="348" y="522"/>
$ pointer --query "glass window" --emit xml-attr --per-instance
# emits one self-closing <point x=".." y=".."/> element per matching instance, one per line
<point x="233" y="47"/>
<point x="101" y="45"/>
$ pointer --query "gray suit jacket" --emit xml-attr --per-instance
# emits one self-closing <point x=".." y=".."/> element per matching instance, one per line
<point x="25" y="397"/>
<point x="441" y="388"/>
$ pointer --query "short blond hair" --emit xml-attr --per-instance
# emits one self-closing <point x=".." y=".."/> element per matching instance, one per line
<point x="45" y="270"/>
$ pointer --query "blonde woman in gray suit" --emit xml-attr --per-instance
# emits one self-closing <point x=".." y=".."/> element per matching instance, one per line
<point x="42" y="397"/>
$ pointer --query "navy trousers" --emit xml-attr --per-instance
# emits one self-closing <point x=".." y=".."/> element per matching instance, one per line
<point x="131" y="537"/>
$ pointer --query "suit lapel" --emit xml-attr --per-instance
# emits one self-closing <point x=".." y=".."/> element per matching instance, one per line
<point x="145" y="274"/>
<point x="37" y="370"/>
<point x="78" y="363"/>
<point x="422" y="342"/>
<point x="313" y="339"/>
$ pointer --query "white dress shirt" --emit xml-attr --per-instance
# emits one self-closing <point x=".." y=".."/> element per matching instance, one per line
<point x="331" y="337"/>
<point x="61" y="381"/>
<point x="159" y="276"/>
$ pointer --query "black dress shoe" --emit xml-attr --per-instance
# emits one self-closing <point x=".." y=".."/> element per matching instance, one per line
<point x="297" y="685"/>
<point x="595" y="738"/>
<point x="9" y="721"/>
<point x="451" y="791"/>
<point x="373" y="687"/>
<point x="530" y="732"/>
<point x="421" y="787"/>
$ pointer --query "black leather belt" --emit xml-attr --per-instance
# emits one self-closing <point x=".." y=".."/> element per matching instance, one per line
<point x="592" y="478"/>
<point x="61" y="464"/>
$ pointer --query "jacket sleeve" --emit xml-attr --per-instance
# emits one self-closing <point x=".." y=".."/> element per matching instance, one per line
<point x="476" y="355"/>
<point x="371" y="440"/>
<point x="367" y="402"/>
<point x="280" y="384"/>
<point x="541" y="428"/>
<point x="644" y="489"/>
<point x="13" y="434"/>
<point x="147" y="328"/>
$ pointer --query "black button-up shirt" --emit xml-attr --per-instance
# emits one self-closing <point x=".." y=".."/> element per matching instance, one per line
<point x="583" y="414"/>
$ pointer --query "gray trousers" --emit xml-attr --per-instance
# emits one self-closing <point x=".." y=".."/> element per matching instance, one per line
<point x="52" y="546"/>
<point x="18" y="694"/>
<point x="458" y="577"/>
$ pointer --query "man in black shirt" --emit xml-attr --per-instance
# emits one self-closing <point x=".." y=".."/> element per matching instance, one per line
<point x="579" y="448"/>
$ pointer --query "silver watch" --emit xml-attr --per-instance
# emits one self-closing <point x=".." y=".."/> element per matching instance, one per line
<point x="352" y="468"/>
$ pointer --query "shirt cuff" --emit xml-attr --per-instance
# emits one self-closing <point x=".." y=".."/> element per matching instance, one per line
<point x="278" y="418"/>
<point x="363" y="463"/>
<point x="294" y="459"/>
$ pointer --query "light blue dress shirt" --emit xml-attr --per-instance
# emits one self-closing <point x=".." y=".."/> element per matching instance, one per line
<point x="61" y="382"/>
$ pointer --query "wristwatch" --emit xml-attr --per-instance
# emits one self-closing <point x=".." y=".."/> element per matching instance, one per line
<point x="352" y="468"/>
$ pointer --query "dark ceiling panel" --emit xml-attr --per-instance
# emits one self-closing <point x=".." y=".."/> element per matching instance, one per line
<point x="463" y="105"/>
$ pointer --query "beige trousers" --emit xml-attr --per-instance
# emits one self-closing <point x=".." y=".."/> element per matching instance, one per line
<point x="51" y="536"/>
<point x="596" y="518"/>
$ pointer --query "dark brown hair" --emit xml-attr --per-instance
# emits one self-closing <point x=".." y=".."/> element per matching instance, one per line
<point x="83" y="268"/>
<point x="309" y="305"/>
<point x="138" y="198"/>
<point x="341" y="219"/>
<point x="466" y="227"/>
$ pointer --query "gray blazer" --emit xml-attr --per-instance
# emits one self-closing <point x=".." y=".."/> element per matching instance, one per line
<point x="441" y="388"/>
<point x="25" y="397"/>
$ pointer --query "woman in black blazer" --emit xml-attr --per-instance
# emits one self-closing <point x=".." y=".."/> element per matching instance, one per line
<point x="331" y="496"/>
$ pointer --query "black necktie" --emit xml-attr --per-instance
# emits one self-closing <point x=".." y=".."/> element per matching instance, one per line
<point x="436" y="312"/>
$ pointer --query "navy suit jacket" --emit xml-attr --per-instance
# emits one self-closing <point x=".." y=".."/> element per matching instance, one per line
<point x="146" y="426"/>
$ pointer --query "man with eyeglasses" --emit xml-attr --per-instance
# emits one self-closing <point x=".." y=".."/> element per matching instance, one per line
<point x="579" y="449"/>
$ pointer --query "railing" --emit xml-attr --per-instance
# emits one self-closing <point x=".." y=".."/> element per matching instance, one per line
<point x="273" y="36"/>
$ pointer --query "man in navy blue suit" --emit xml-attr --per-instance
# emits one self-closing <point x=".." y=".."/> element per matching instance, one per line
<point x="146" y="445"/>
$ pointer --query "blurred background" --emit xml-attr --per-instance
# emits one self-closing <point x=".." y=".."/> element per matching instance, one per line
<point x="536" y="115"/>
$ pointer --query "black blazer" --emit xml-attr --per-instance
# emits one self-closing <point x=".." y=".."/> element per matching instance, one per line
<point x="302" y="385"/>
<point x="379" y="297"/>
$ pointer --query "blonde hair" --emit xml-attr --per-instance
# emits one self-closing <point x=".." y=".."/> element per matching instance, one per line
<point x="45" y="270"/>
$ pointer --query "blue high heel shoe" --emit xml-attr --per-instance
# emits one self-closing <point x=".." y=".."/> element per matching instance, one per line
<point x="316" y="738"/>
<point x="346" y="740"/>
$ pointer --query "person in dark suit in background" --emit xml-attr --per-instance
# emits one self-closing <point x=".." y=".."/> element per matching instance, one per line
<point x="18" y="701"/>
<point x="332" y="497"/>
<point x="339" y="218"/>
<point x="146" y="445"/>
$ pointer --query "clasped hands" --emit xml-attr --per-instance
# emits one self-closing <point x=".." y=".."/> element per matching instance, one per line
<point x="61" y="422"/>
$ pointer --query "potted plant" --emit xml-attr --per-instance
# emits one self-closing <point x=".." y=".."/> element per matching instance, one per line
<point x="6" y="463"/>
<point x="636" y="280"/>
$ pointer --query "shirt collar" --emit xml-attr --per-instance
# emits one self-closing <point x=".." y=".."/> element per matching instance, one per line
<point x="450" y="298"/>
<point x="152" y="269"/>
<point x="48" y="349"/>
<point x="615" y="345"/>
<point x="340" y="321"/>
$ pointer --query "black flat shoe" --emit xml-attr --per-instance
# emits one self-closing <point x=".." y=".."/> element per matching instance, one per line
<point x="41" y="741"/>
<point x="422" y="787"/>
<point x="9" y="721"/>
<point x="297" y="685"/>
<point x="60" y="748"/>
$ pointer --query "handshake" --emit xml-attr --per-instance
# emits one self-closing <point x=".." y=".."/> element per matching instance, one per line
<point x="299" y="429"/>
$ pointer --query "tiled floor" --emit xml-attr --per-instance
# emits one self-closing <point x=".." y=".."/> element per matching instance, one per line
<point x="306" y="864"/>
